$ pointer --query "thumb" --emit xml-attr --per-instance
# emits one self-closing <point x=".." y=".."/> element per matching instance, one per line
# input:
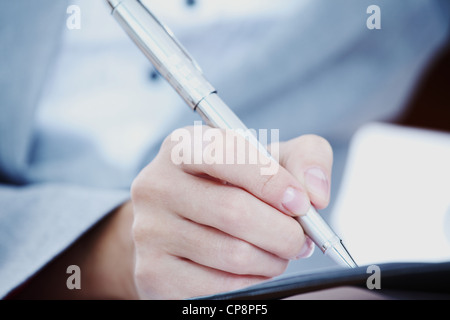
<point x="309" y="158"/>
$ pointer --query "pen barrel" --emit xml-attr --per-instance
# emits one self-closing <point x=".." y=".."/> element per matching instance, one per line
<point x="318" y="230"/>
<point x="162" y="49"/>
<point x="216" y="113"/>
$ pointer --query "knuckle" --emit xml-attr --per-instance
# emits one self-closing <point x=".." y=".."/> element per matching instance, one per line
<point x="292" y="240"/>
<point x="138" y="188"/>
<point x="141" y="187"/>
<point x="267" y="185"/>
<point x="312" y="141"/>
<point x="239" y="256"/>
<point x="235" y="207"/>
<point x="140" y="232"/>
<point x="276" y="268"/>
<point x="146" y="227"/>
<point x="242" y="258"/>
<point x="149" y="239"/>
<point x="152" y="184"/>
<point x="147" y="278"/>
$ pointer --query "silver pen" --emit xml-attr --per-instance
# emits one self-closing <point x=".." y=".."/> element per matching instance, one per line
<point x="180" y="70"/>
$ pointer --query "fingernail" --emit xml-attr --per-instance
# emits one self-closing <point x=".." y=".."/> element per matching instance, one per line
<point x="307" y="249"/>
<point x="296" y="202"/>
<point x="316" y="182"/>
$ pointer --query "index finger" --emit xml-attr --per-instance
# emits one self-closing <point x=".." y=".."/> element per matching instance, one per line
<point x="279" y="189"/>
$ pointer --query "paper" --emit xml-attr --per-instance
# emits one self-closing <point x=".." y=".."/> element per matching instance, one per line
<point x="394" y="201"/>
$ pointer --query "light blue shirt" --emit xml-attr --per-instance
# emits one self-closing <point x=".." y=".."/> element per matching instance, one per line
<point x="70" y="107"/>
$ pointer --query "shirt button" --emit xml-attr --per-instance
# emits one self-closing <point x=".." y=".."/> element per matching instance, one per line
<point x="154" y="75"/>
<point x="190" y="3"/>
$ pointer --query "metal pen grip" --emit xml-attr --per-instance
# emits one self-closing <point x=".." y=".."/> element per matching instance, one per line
<point x="318" y="230"/>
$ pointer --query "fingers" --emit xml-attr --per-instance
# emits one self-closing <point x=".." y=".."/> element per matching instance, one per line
<point x="237" y="213"/>
<point x="204" y="227"/>
<point x="179" y="278"/>
<point x="309" y="158"/>
<point x="217" y="250"/>
<point x="280" y="189"/>
<point x="178" y="256"/>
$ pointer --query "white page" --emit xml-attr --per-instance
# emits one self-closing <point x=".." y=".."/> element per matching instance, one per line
<point x="394" y="203"/>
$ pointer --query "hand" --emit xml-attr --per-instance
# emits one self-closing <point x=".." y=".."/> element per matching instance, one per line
<point x="188" y="233"/>
<point x="200" y="229"/>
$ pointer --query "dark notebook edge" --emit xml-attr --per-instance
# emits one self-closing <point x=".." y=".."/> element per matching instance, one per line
<point x="429" y="277"/>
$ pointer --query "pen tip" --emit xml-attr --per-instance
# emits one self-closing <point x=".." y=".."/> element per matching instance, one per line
<point x="341" y="256"/>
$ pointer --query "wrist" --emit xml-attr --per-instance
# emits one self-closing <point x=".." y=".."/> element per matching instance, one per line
<point x="105" y="257"/>
<point x="111" y="265"/>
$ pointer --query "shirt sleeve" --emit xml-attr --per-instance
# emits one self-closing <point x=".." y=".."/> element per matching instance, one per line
<point x="41" y="214"/>
<point x="39" y="221"/>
